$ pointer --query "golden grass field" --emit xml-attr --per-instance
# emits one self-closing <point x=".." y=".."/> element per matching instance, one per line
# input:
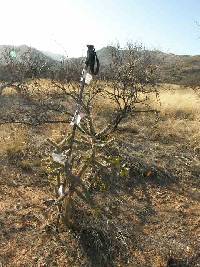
<point x="164" y="215"/>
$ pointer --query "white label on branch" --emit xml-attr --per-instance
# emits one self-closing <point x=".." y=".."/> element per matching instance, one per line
<point x="61" y="191"/>
<point x="77" y="118"/>
<point x="84" y="72"/>
<point x="60" y="158"/>
<point x="88" y="78"/>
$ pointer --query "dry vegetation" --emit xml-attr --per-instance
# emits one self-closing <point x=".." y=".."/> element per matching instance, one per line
<point x="151" y="214"/>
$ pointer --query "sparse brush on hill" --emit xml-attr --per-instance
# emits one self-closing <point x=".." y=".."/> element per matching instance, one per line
<point x="21" y="62"/>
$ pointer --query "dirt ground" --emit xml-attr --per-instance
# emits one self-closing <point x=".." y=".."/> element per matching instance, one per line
<point x="152" y="217"/>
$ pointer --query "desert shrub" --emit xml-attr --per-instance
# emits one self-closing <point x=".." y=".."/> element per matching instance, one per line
<point x="78" y="160"/>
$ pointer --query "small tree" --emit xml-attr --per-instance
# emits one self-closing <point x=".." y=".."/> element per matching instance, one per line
<point x="86" y="150"/>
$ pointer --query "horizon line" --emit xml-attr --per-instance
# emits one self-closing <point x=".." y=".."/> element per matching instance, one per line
<point x="64" y="52"/>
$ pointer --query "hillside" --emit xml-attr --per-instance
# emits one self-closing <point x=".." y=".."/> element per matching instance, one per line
<point x="54" y="56"/>
<point x="181" y="69"/>
<point x="22" y="61"/>
<point x="23" y="52"/>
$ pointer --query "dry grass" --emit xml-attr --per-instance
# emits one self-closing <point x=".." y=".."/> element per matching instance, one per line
<point x="12" y="139"/>
<point x="154" y="216"/>
<point x="180" y="103"/>
<point x="180" y="111"/>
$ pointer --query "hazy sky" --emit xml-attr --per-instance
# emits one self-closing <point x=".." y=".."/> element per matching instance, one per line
<point x="58" y="25"/>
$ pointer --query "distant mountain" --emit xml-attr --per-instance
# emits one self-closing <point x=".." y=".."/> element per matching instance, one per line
<point x="54" y="56"/>
<point x="184" y="69"/>
<point x="27" y="62"/>
<point x="23" y="52"/>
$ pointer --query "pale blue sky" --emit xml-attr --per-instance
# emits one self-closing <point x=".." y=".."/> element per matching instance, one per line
<point x="58" y="25"/>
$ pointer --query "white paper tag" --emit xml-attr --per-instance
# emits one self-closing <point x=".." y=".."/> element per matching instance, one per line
<point x="77" y="118"/>
<point x="61" y="191"/>
<point x="88" y="78"/>
<point x="60" y="158"/>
